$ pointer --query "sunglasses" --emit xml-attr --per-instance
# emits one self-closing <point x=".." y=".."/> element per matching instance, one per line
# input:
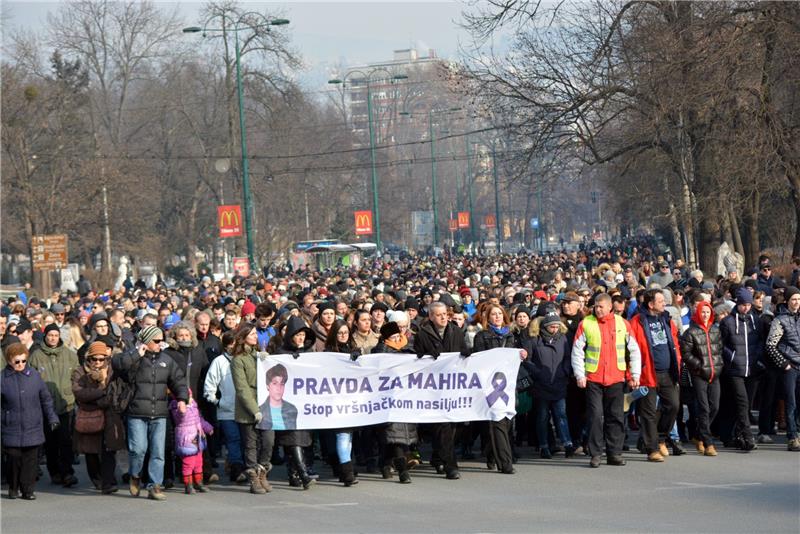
<point x="766" y="270"/>
<point x="18" y="362"/>
<point x="97" y="359"/>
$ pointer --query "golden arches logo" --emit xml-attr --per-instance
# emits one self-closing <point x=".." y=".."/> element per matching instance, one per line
<point x="228" y="218"/>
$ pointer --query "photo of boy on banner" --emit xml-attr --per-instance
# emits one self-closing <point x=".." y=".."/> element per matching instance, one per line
<point x="277" y="413"/>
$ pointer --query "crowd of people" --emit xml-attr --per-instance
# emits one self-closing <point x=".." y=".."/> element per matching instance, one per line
<point x="620" y="346"/>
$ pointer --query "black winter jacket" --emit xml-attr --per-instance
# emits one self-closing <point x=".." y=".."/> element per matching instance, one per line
<point x="154" y="373"/>
<point x="292" y="438"/>
<point x="742" y="344"/>
<point x="399" y="433"/>
<point x="701" y="352"/>
<point x="194" y="365"/>
<point x="428" y="342"/>
<point x="783" y="340"/>
<point x="487" y="339"/>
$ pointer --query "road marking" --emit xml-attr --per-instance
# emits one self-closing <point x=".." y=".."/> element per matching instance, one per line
<point x="320" y="506"/>
<point x="731" y="486"/>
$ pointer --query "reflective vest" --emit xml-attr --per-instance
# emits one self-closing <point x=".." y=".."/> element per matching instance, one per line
<point x="594" y="341"/>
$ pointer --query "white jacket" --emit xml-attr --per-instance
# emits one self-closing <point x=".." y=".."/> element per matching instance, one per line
<point x="219" y="378"/>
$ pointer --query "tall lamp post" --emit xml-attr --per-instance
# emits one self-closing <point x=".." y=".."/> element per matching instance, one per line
<point x="376" y="214"/>
<point x="434" y="197"/>
<point x="238" y="25"/>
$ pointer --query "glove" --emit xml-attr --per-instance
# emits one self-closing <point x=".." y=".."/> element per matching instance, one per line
<point x="355" y="354"/>
<point x="54" y="426"/>
<point x="262" y="355"/>
<point x="420" y="356"/>
<point x="295" y="355"/>
<point x="259" y="417"/>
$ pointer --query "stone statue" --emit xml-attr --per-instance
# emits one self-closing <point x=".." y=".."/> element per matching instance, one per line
<point x="122" y="273"/>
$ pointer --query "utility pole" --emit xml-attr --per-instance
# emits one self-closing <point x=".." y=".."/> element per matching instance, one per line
<point x="496" y="199"/>
<point x="433" y="181"/>
<point x="469" y="191"/>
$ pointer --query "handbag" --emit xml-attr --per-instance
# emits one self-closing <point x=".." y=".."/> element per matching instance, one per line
<point x="89" y="422"/>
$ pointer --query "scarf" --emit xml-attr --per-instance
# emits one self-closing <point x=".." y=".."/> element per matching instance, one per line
<point x="98" y="375"/>
<point x="397" y="345"/>
<point x="501" y="331"/>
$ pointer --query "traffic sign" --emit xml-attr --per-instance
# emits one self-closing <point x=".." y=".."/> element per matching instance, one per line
<point x="534" y="222"/>
<point x="49" y="252"/>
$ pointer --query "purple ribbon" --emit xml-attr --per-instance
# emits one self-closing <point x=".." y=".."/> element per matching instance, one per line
<point x="499" y="384"/>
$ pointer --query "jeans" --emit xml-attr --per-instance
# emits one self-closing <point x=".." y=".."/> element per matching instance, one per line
<point x="344" y="446"/>
<point x="233" y="440"/>
<point x="791" y="380"/>
<point x="558" y="408"/>
<point x="147" y="435"/>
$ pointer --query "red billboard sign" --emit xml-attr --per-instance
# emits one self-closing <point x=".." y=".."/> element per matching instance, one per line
<point x="229" y="220"/>
<point x="491" y="221"/>
<point x="453" y="225"/>
<point x="363" y="222"/>
<point x="463" y="219"/>
<point x="241" y="266"/>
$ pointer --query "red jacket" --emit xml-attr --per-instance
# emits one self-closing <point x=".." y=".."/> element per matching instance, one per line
<point x="636" y="328"/>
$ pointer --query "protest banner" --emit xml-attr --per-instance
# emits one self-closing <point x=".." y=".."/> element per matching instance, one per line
<point x="328" y="390"/>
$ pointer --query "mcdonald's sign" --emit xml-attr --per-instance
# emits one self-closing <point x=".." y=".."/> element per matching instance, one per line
<point x="241" y="266"/>
<point x="229" y="220"/>
<point x="453" y="225"/>
<point x="490" y="221"/>
<point x="363" y="222"/>
<point x="463" y="219"/>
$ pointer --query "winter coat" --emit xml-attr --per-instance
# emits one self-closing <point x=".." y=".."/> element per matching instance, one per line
<point x="244" y="368"/>
<point x="55" y="365"/>
<point x="292" y="438"/>
<point x="640" y="330"/>
<point x="211" y="345"/>
<point x="151" y="375"/>
<point x="428" y="342"/>
<point x="742" y="344"/>
<point x="24" y="398"/>
<point x="218" y="387"/>
<point x="365" y="342"/>
<point x="783" y="340"/>
<point x="190" y="429"/>
<point x="701" y="348"/>
<point x="487" y="339"/>
<point x="399" y="433"/>
<point x="90" y="396"/>
<point x="549" y="364"/>
<point x="192" y="362"/>
<point x="322" y="335"/>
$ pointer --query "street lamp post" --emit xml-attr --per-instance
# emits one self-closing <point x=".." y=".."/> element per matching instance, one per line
<point x="247" y="197"/>
<point x="496" y="199"/>
<point x="376" y="216"/>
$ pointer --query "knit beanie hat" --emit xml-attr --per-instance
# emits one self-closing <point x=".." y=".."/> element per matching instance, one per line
<point x="550" y="318"/>
<point x="148" y="334"/>
<point x="51" y="327"/>
<point x="97" y="348"/>
<point x="744" y="296"/>
<point x="788" y="293"/>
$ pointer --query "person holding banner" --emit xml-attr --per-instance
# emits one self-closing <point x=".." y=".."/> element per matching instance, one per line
<point x="397" y="437"/>
<point x="496" y="333"/>
<point x="339" y="340"/>
<point x="437" y="335"/>
<point x="296" y="339"/>
<point x="256" y="442"/>
<point x="363" y="337"/>
<point x="602" y="353"/>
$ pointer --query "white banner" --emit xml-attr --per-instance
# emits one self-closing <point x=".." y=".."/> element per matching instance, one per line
<point x="327" y="390"/>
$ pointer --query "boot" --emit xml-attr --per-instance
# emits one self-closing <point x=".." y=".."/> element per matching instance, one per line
<point x="188" y="488"/>
<point x="255" y="485"/>
<point x="262" y="478"/>
<point x="347" y="475"/>
<point x="155" y="493"/>
<point x="198" y="483"/>
<point x="401" y="467"/>
<point x="133" y="486"/>
<point x="780" y="414"/>
<point x="710" y="451"/>
<point x="300" y="466"/>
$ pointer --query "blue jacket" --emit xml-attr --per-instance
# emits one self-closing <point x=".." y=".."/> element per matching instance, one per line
<point x="24" y="398"/>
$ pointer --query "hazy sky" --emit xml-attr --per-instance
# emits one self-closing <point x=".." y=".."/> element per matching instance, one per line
<point x="325" y="32"/>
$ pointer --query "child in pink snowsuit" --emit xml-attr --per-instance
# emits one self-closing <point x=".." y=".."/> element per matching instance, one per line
<point x="190" y="441"/>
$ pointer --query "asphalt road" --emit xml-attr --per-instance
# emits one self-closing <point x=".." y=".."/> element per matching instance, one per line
<point x="733" y="492"/>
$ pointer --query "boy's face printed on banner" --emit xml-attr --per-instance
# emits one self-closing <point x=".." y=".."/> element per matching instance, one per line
<point x="276" y="389"/>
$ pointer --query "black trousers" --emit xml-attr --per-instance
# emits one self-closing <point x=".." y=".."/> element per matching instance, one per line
<point x="657" y="422"/>
<point x="257" y="446"/>
<point x="766" y="401"/>
<point x="22" y="463"/>
<point x="737" y="396"/>
<point x="58" y="447"/>
<point x="605" y="418"/>
<point x="101" y="467"/>
<point x="707" y="404"/>
<point x="576" y="412"/>
<point x="496" y="441"/>
<point x="444" y="444"/>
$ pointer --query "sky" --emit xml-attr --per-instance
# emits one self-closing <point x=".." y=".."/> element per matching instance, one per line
<point x="326" y="33"/>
